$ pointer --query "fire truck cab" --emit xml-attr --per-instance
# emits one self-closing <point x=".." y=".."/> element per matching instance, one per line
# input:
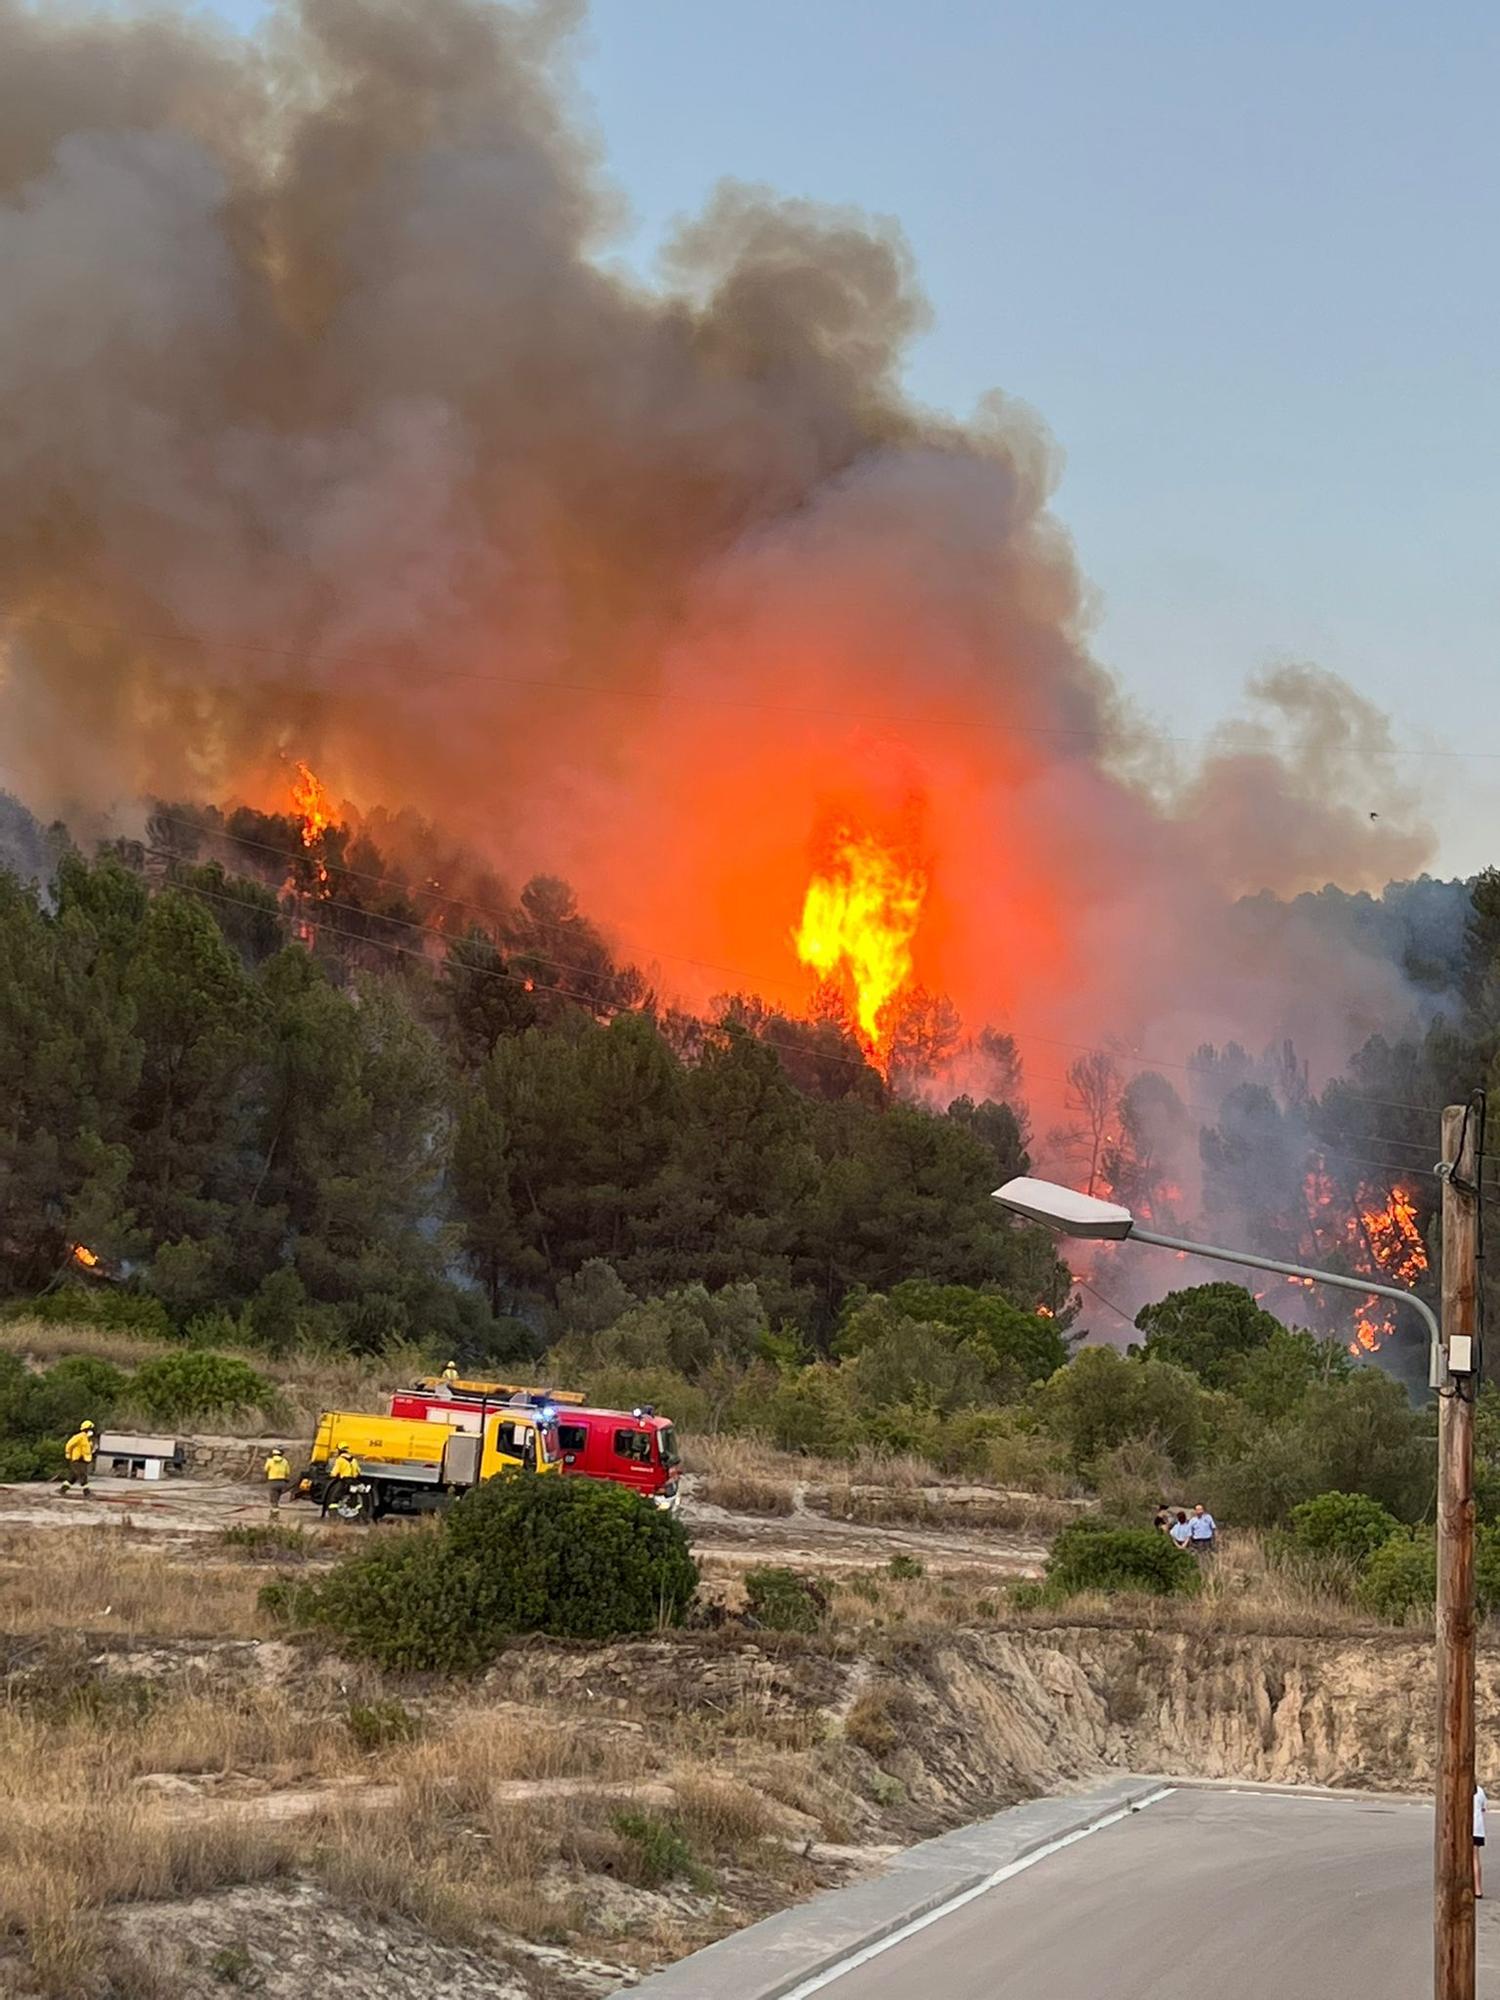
<point x="634" y="1448"/>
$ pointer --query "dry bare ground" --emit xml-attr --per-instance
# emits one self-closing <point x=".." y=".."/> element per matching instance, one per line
<point x="187" y="1800"/>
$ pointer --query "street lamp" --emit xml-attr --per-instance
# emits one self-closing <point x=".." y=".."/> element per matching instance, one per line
<point x="1451" y="1373"/>
<point x="1074" y="1214"/>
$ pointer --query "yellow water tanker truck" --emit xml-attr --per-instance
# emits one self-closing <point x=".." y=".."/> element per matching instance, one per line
<point x="406" y="1466"/>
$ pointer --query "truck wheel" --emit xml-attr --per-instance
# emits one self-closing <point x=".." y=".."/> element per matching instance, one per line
<point x="357" y="1504"/>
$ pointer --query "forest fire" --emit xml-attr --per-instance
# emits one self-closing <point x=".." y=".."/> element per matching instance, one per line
<point x="859" y="918"/>
<point x="1380" y="1237"/>
<point x="84" y="1258"/>
<point x="315" y="810"/>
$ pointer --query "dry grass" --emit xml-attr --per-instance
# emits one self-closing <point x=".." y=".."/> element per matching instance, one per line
<point x="481" y="1750"/>
<point x="1245" y="1592"/>
<point x="309" y="1384"/>
<point x="77" y="1835"/>
<point x="747" y="1495"/>
<point x="101" y="1580"/>
<point x="748" y="1476"/>
<point x="865" y="1602"/>
<point x="954" y="1507"/>
<point x="43" y="1341"/>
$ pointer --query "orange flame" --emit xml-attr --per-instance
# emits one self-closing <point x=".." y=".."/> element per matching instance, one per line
<point x="859" y="917"/>
<point x="83" y="1255"/>
<point x="313" y="807"/>
<point x="1381" y="1238"/>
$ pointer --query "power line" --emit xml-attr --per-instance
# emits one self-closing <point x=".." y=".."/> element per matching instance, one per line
<point x="1118" y="1311"/>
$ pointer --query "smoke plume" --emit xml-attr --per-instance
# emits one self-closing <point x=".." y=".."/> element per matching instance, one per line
<point x="331" y="433"/>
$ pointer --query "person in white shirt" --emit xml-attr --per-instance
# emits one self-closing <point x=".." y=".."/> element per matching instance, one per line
<point x="1201" y="1531"/>
<point x="1181" y="1530"/>
<point x="1480" y="1802"/>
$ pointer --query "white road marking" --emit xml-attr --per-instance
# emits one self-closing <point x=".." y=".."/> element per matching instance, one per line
<point x="862" y="1957"/>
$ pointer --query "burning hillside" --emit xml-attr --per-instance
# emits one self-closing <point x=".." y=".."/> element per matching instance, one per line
<point x="365" y="459"/>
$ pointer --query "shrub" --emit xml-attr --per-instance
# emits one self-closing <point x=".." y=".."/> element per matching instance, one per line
<point x="56" y="1403"/>
<point x="575" y="1559"/>
<point x="1088" y="1556"/>
<point x="282" y="1600"/>
<point x="1349" y="1525"/>
<point x="120" y="1311"/>
<point x="658" y="1851"/>
<point x="400" y="1603"/>
<point x="782" y="1601"/>
<point x="1400" y="1579"/>
<point x="31" y="1458"/>
<point x="376" y="1724"/>
<point x="197" y="1383"/>
<point x="906" y="1569"/>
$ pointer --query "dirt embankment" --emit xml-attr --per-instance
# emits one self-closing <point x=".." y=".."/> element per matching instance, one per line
<point x="486" y="1847"/>
<point x="974" y="1720"/>
<point x="1032" y="1710"/>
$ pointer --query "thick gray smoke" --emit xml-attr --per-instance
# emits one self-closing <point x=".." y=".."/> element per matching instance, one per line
<point x="330" y="435"/>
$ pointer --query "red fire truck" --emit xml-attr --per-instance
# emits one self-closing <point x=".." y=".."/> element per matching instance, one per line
<point x="634" y="1448"/>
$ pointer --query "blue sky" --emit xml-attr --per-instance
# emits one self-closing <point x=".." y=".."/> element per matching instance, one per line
<point x="1241" y="260"/>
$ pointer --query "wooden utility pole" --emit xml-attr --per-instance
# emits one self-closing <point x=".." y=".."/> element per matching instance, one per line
<point x="1453" y="1904"/>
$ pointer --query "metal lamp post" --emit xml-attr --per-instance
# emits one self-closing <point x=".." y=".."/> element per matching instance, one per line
<point x="1451" y="1371"/>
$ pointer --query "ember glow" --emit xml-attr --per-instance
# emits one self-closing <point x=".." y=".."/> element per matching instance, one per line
<point x="84" y="1257"/>
<point x="859" y="918"/>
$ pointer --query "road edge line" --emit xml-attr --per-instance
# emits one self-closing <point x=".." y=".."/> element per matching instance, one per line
<point x="946" y="1909"/>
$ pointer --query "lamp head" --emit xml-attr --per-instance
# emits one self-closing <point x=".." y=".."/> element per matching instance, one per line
<point x="1065" y="1209"/>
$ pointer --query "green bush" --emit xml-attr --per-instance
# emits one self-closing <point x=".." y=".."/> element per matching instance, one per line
<point x="782" y="1601"/>
<point x="56" y="1403"/>
<point x="120" y="1311"/>
<point x="658" y="1851"/>
<point x="401" y="1603"/>
<point x="1400" y="1579"/>
<point x="906" y="1569"/>
<point x="31" y="1458"/>
<point x="282" y="1601"/>
<point x="575" y="1559"/>
<point x="198" y="1383"/>
<point x="1088" y="1556"/>
<point x="1348" y="1525"/>
<point x="376" y="1724"/>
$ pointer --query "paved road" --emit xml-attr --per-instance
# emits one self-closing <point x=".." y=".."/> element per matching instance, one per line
<point x="1206" y="1895"/>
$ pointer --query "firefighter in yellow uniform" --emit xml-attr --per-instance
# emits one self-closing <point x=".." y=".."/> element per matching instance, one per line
<point x="278" y="1477"/>
<point x="450" y="1373"/>
<point x="79" y="1453"/>
<point x="342" y="1468"/>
